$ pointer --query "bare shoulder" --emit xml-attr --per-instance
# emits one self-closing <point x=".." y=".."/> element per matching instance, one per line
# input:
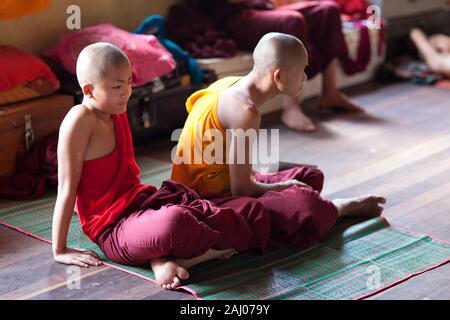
<point x="236" y="113"/>
<point x="78" y="118"/>
<point x="74" y="135"/>
<point x="245" y="116"/>
<point x="76" y="129"/>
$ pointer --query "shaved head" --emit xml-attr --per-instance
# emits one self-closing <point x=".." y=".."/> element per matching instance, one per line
<point x="96" y="60"/>
<point x="278" y="50"/>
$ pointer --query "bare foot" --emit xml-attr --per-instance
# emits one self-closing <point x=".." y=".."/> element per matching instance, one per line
<point x="228" y="255"/>
<point x="338" y="100"/>
<point x="433" y="59"/>
<point x="168" y="273"/>
<point x="208" y="255"/>
<point x="295" y="119"/>
<point x="360" y="206"/>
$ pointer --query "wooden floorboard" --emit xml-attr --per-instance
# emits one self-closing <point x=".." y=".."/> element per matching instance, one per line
<point x="399" y="148"/>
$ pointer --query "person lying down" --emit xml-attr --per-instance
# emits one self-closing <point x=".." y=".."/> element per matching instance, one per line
<point x="434" y="50"/>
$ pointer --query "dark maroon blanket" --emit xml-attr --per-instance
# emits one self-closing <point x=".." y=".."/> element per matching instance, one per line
<point x="36" y="170"/>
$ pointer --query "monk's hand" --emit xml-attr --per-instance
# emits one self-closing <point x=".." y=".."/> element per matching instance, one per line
<point x="81" y="258"/>
<point x="293" y="182"/>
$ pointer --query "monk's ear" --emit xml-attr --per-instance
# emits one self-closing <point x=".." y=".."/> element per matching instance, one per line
<point x="277" y="76"/>
<point x="87" y="90"/>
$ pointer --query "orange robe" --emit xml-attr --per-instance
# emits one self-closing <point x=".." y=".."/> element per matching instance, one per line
<point x="208" y="179"/>
<point x="298" y="216"/>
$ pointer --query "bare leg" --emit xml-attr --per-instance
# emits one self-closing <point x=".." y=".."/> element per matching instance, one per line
<point x="437" y="62"/>
<point x="331" y="96"/>
<point x="170" y="272"/>
<point x="293" y="116"/>
<point x="369" y="205"/>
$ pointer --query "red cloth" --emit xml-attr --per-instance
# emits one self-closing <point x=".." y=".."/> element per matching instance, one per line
<point x="300" y="217"/>
<point x="175" y="221"/>
<point x="19" y="67"/>
<point x="109" y="184"/>
<point x="357" y="9"/>
<point x="35" y="170"/>
<point x="351" y="66"/>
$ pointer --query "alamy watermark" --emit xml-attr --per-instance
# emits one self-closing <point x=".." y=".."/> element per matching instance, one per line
<point x="374" y="19"/>
<point x="73" y="21"/>
<point x="374" y="279"/>
<point x="236" y="146"/>
<point x="73" y="280"/>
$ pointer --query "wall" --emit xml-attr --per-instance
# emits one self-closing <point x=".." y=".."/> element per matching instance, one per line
<point x="42" y="30"/>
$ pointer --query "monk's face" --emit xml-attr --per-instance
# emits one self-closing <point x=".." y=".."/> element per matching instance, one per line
<point x="113" y="90"/>
<point x="291" y="80"/>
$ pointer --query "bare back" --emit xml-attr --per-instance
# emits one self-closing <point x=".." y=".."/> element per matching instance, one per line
<point x="235" y="112"/>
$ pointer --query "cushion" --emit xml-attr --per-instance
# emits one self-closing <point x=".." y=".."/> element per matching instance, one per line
<point x="23" y="76"/>
<point x="149" y="59"/>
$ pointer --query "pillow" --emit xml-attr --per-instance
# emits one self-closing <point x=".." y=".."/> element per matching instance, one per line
<point x="149" y="59"/>
<point x="23" y="76"/>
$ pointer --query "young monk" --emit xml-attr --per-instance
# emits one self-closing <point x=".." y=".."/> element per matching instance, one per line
<point x="170" y="229"/>
<point x="435" y="50"/>
<point x="299" y="216"/>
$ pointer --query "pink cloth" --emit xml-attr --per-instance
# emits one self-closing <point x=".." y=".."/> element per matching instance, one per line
<point x="149" y="59"/>
<point x="175" y="221"/>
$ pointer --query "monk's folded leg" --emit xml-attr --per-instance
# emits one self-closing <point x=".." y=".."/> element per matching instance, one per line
<point x="311" y="176"/>
<point x="299" y="216"/>
<point x="244" y="223"/>
<point x="143" y="235"/>
<point x="260" y="22"/>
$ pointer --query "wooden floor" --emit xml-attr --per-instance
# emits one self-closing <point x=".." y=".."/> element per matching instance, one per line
<point x="399" y="149"/>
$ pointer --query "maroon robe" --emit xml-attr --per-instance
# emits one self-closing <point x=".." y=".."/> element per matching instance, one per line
<point x="316" y="23"/>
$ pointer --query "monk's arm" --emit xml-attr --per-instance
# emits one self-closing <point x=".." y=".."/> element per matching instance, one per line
<point x="74" y="135"/>
<point x="241" y="179"/>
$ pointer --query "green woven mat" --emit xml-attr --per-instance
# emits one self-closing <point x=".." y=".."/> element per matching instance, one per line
<point x="354" y="261"/>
